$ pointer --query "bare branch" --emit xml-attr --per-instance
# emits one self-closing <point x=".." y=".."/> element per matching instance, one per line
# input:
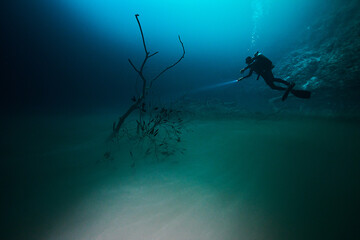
<point x="142" y="35"/>
<point x="182" y="45"/>
<point x="153" y="54"/>
<point x="133" y="66"/>
<point x="117" y="126"/>
<point x="143" y="64"/>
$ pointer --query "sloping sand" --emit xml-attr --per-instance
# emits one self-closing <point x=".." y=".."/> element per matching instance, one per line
<point x="238" y="179"/>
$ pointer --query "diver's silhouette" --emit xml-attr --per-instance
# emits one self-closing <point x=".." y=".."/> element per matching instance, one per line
<point x="263" y="67"/>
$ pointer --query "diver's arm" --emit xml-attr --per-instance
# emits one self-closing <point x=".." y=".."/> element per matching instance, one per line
<point x="247" y="67"/>
<point x="250" y="73"/>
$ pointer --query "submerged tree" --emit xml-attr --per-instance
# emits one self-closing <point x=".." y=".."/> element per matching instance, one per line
<point x="139" y="102"/>
<point x="158" y="129"/>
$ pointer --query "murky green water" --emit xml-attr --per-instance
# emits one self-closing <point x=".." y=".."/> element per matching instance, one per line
<point x="238" y="179"/>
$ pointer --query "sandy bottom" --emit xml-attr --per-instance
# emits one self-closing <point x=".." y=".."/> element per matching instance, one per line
<point x="238" y="179"/>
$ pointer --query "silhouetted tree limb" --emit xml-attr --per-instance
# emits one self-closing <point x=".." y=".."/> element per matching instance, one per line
<point x="137" y="102"/>
<point x="183" y="55"/>
<point x="142" y="35"/>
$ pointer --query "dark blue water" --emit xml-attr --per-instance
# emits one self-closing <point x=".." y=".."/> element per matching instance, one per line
<point x="72" y="55"/>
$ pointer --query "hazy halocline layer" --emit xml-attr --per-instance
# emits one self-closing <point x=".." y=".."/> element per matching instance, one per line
<point x="254" y="178"/>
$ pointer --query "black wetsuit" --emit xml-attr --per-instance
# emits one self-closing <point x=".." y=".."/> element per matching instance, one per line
<point x="263" y="67"/>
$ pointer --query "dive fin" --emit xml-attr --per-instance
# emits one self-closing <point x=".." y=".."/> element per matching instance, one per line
<point x="286" y="94"/>
<point x="301" y="93"/>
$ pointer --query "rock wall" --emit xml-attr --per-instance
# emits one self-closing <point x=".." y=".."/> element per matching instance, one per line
<point x="327" y="58"/>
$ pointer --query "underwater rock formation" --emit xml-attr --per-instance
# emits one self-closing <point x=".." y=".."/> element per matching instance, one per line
<point x="327" y="56"/>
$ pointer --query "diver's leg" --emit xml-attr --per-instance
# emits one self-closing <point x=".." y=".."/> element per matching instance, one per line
<point x="286" y="94"/>
<point x="282" y="81"/>
<point x="270" y="75"/>
<point x="272" y="85"/>
<point x="269" y="79"/>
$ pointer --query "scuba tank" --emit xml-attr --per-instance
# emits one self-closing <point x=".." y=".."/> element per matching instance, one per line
<point x="268" y="65"/>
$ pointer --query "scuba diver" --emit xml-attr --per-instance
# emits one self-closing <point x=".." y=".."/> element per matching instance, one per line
<point x="263" y="67"/>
